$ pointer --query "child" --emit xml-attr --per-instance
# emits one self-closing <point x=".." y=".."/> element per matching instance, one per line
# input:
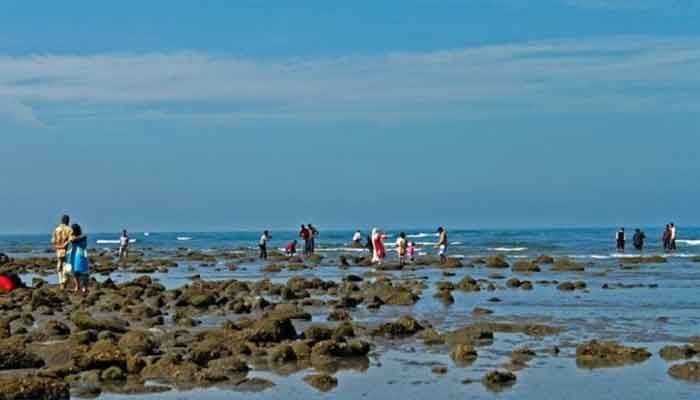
<point x="401" y="247"/>
<point x="412" y="251"/>
<point x="291" y="248"/>
<point x="78" y="259"/>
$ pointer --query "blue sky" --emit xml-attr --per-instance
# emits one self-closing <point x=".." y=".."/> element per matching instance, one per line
<point x="232" y="115"/>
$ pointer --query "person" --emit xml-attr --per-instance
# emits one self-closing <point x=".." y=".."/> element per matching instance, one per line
<point x="638" y="239"/>
<point x="357" y="239"/>
<point x="370" y="246"/>
<point x="60" y="239"/>
<point x="674" y="234"/>
<point x="291" y="248"/>
<point x="313" y="234"/>
<point x="263" y="244"/>
<point x="412" y="251"/>
<point x="305" y="235"/>
<point x="442" y="244"/>
<point x="401" y="248"/>
<point x="378" y="246"/>
<point x="124" y="245"/>
<point x="666" y="238"/>
<point x="620" y="239"/>
<point x="10" y="281"/>
<point x="78" y="259"/>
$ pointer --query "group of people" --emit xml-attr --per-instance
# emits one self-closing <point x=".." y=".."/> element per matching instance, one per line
<point x="668" y="239"/>
<point x="70" y="245"/>
<point x="405" y="249"/>
<point x="308" y="233"/>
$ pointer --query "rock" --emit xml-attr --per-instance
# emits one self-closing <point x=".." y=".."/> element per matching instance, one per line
<point x="229" y="365"/>
<point x="673" y="353"/>
<point x="543" y="259"/>
<point x="599" y="354"/>
<point x="513" y="283"/>
<point x="321" y="382"/>
<point x="496" y="262"/>
<point x="481" y="311"/>
<point x="566" y="264"/>
<point x="137" y="343"/>
<point x="254" y="385"/>
<point x="282" y="353"/>
<point x="525" y="266"/>
<point x="404" y="326"/>
<point x="526" y="285"/>
<point x="33" y="387"/>
<point x="439" y="369"/>
<point x="445" y="297"/>
<point x="463" y="354"/>
<point x="317" y="333"/>
<point x="171" y="369"/>
<point x="272" y="330"/>
<point x="468" y="284"/>
<point x="452" y="263"/>
<point x="112" y="374"/>
<point x="339" y="315"/>
<point x="302" y="349"/>
<point x="50" y="330"/>
<point x="566" y="286"/>
<point x="14" y="355"/>
<point x="689" y="371"/>
<point x="84" y="321"/>
<point x="499" y="380"/>
<point x="102" y="355"/>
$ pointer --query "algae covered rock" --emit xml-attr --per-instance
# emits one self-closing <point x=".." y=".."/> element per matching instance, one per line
<point x="404" y="326"/>
<point x="321" y="382"/>
<point x="33" y="387"/>
<point x="463" y="354"/>
<point x="499" y="380"/>
<point x="600" y="354"/>
<point x="497" y="261"/>
<point x="689" y="371"/>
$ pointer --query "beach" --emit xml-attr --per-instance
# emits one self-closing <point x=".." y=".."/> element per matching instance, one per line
<point x="524" y="313"/>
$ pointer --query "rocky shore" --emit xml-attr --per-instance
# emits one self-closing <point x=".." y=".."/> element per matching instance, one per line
<point x="139" y="337"/>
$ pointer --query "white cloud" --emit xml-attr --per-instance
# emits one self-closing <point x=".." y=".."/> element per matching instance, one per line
<point x="619" y="74"/>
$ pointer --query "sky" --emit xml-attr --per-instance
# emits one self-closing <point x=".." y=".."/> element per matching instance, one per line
<point x="222" y="115"/>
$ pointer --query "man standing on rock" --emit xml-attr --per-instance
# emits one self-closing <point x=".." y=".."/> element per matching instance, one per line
<point x="305" y="235"/>
<point x="60" y="239"/>
<point x="620" y="239"/>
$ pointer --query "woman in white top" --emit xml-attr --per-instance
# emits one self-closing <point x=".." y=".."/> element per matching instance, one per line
<point x="124" y="245"/>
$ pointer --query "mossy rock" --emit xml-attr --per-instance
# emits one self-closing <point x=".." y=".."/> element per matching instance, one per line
<point x="496" y="261"/>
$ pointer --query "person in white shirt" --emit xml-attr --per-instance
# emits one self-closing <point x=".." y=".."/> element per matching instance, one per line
<point x="357" y="238"/>
<point x="263" y="244"/>
<point x="124" y="245"/>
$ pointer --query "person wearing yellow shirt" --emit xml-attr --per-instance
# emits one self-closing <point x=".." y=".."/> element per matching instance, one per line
<point x="60" y="240"/>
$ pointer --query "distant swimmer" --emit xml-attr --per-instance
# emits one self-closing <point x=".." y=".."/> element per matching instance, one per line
<point x="638" y="239"/>
<point x="291" y="248"/>
<point x="124" y="245"/>
<point x="442" y="244"/>
<point x="60" y="240"/>
<point x="263" y="244"/>
<point x="620" y="240"/>
<point x="402" y="248"/>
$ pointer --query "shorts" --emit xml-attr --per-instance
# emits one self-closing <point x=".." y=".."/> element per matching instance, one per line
<point x="442" y="250"/>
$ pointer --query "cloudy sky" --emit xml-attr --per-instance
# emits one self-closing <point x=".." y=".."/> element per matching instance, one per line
<point x="250" y="114"/>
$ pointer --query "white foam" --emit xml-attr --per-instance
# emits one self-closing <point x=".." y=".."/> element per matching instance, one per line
<point x="693" y="242"/>
<point x="146" y="234"/>
<point x="112" y="241"/>
<point x="508" y="249"/>
<point x="423" y="235"/>
<point x="183" y="238"/>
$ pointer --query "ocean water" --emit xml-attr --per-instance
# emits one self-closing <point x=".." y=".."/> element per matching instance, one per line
<point x="580" y="243"/>
<point x="668" y="313"/>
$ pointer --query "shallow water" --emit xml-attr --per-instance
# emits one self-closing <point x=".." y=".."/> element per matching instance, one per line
<point x="403" y="369"/>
